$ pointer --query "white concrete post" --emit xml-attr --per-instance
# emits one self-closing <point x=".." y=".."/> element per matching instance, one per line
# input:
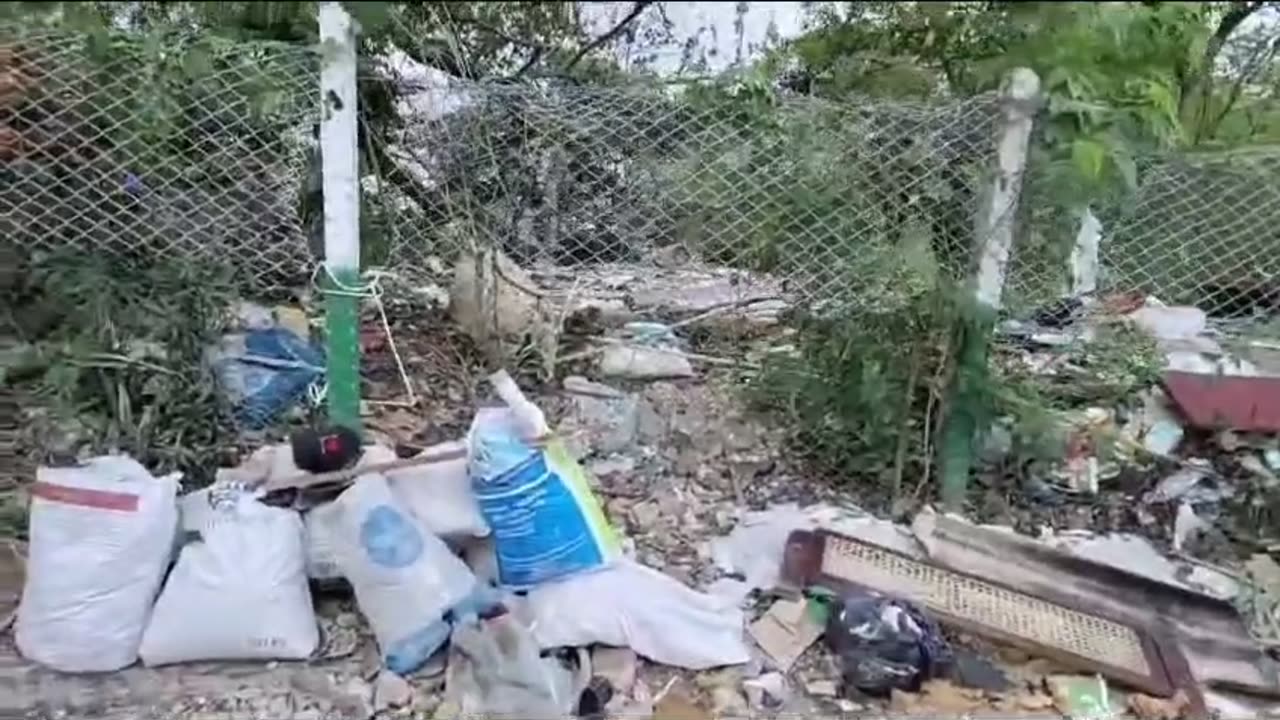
<point x="340" y="162"/>
<point x="995" y="230"/>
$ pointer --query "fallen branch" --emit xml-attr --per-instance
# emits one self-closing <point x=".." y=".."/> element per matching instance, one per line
<point x="721" y="309"/>
<point x="638" y="8"/>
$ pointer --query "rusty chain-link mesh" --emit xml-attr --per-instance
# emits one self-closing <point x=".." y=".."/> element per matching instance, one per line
<point x="191" y="149"/>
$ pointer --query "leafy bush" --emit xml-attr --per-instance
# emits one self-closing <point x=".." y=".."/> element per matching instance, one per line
<point x="114" y="352"/>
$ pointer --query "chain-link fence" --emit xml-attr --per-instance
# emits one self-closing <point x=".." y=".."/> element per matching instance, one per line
<point x="1197" y="229"/>
<point x="177" y="148"/>
<point x="834" y="200"/>
<point x="205" y="149"/>
<point x="1200" y="230"/>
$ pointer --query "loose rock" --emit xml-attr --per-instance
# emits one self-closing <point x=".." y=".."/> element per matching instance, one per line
<point x="617" y="665"/>
<point x="391" y="691"/>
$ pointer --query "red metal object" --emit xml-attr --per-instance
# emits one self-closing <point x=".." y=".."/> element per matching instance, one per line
<point x="1223" y="402"/>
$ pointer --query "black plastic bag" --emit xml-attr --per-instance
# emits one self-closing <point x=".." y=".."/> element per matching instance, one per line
<point x="885" y="643"/>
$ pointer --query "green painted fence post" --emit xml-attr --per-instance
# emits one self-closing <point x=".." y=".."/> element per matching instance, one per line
<point x="967" y="402"/>
<point x="340" y="162"/>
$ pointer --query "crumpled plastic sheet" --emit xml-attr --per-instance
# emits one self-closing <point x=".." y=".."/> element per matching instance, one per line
<point x="497" y="671"/>
<point x="885" y="643"/>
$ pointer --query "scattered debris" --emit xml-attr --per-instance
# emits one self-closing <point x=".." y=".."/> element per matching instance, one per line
<point x="1084" y="697"/>
<point x="785" y="632"/>
<point x="642" y="363"/>
<point x="675" y="706"/>
<point x="1191" y="483"/>
<point x="822" y="688"/>
<point x="493" y="297"/>
<point x="1160" y="430"/>
<point x="1186" y="526"/>
<point x="768" y="691"/>
<point x="972" y="670"/>
<point x="676" y="468"/>
<point x="1146" y="707"/>
<point x="391" y="691"/>
<point x="941" y="698"/>
<point x="602" y="420"/>
<point x="617" y="665"/>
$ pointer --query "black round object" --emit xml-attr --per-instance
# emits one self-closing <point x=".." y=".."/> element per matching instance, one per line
<point x="319" y="451"/>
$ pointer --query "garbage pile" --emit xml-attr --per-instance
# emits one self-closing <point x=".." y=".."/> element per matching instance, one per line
<point x="491" y="557"/>
<point x="121" y="568"/>
<point x="1199" y="425"/>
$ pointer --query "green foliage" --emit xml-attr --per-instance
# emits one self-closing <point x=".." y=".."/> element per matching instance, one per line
<point x="807" y="193"/>
<point x="860" y="385"/>
<point x="119" y="356"/>
<point x="1111" y="72"/>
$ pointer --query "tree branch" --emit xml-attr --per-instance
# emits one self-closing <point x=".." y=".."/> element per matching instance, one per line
<point x="1263" y="55"/>
<point x="534" y="57"/>
<point x="531" y="44"/>
<point x="636" y="9"/>
<point x="1196" y="86"/>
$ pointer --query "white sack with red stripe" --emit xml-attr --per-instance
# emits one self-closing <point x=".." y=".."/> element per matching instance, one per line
<point x="101" y="536"/>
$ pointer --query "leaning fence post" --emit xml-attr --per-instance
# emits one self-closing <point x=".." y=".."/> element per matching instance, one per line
<point x="969" y="393"/>
<point x="339" y="162"/>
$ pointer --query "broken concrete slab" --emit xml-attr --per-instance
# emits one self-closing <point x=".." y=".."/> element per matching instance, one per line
<point x="391" y="691"/>
<point x="785" y="632"/>
<point x="641" y="363"/>
<point x="492" y="295"/>
<point x="600" y="419"/>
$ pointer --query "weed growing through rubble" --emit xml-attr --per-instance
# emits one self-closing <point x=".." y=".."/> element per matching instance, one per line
<point x="111" y="354"/>
<point x="865" y="392"/>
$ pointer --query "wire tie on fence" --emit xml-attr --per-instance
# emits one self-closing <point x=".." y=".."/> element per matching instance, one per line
<point x="371" y="288"/>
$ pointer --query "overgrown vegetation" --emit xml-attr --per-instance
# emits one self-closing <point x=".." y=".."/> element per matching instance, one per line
<point x="113" y="354"/>
<point x="1121" y="80"/>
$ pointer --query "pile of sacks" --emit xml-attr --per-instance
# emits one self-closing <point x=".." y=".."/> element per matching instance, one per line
<point x="103" y="535"/>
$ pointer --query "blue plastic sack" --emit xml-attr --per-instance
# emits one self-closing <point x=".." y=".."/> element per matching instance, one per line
<point x="266" y="372"/>
<point x="546" y="522"/>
